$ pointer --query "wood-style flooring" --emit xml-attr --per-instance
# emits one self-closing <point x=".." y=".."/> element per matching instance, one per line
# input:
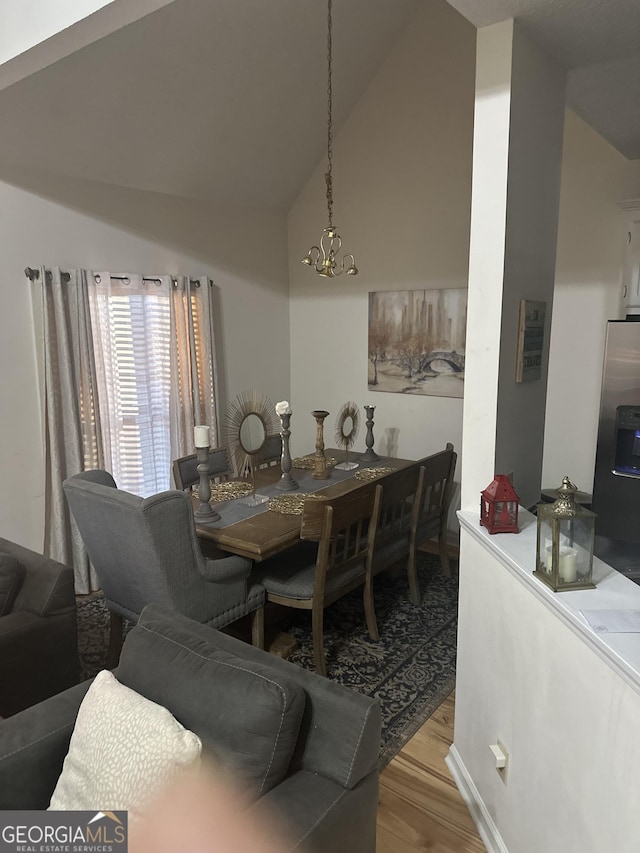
<point x="420" y="807"/>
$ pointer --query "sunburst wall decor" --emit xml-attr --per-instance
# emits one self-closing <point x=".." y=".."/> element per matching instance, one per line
<point x="249" y="409"/>
<point x="347" y="426"/>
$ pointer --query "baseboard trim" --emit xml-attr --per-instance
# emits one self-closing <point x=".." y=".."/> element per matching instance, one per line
<point x="485" y="825"/>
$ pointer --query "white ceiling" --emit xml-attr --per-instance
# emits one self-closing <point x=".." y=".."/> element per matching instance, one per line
<point x="223" y="101"/>
<point x="598" y="42"/>
<point x="226" y="101"/>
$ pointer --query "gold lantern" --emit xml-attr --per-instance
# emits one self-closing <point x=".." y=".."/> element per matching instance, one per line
<point x="564" y="546"/>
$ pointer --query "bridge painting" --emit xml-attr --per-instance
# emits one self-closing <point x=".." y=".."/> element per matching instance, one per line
<point x="417" y="341"/>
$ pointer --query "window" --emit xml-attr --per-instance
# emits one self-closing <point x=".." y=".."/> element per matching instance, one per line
<point x="155" y="376"/>
<point x="135" y="333"/>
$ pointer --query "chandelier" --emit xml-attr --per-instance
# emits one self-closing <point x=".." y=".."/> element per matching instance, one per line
<point x="325" y="258"/>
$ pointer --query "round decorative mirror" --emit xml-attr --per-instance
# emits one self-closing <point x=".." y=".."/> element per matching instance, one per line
<point x="252" y="434"/>
<point x="347" y="429"/>
<point x="347" y="426"/>
<point x="250" y="418"/>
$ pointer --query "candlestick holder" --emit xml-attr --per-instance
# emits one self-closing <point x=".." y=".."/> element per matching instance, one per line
<point x="319" y="460"/>
<point x="286" y="483"/>
<point x="369" y="455"/>
<point x="205" y="512"/>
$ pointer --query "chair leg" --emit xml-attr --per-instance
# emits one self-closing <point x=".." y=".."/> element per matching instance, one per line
<point x="444" y="553"/>
<point x="116" y="623"/>
<point x="317" y="620"/>
<point x="370" y="609"/>
<point x="412" y="575"/>
<point x="257" y="628"/>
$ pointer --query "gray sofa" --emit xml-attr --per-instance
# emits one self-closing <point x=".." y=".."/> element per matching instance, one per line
<point x="297" y="742"/>
<point x="38" y="634"/>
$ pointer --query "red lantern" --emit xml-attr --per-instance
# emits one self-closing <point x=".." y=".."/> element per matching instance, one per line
<point x="499" y="506"/>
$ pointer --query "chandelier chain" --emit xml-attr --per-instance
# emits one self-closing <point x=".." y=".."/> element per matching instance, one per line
<point x="327" y="258"/>
<point x="328" y="177"/>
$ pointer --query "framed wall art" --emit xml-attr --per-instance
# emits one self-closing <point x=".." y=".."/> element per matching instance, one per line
<point x="417" y="341"/>
<point x="530" y="340"/>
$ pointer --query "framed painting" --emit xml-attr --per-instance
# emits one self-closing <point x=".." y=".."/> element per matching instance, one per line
<point x="530" y="340"/>
<point x="417" y="341"/>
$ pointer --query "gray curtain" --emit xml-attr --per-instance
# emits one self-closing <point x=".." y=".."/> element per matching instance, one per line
<point x="194" y="387"/>
<point x="78" y="370"/>
<point x="71" y="418"/>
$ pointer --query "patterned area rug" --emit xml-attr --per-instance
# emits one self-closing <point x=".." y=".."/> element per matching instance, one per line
<point x="411" y="670"/>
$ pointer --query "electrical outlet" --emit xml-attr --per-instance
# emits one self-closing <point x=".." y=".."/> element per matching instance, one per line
<point x="501" y="758"/>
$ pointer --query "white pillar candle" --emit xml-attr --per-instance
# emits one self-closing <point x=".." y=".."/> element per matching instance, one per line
<point x="201" y="436"/>
<point x="568" y="569"/>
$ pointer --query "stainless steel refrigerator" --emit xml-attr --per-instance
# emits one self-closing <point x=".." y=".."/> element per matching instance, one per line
<point x="616" y="487"/>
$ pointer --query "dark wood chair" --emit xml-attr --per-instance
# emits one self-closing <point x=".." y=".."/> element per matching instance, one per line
<point x="271" y="452"/>
<point x="400" y="500"/>
<point x="333" y="558"/>
<point x="437" y="491"/>
<point x="185" y="469"/>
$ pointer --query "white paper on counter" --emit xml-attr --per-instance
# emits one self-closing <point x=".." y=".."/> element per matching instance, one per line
<point x="613" y="621"/>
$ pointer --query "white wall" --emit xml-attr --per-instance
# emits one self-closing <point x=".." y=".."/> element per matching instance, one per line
<point x="591" y="244"/>
<point x="566" y="718"/>
<point x="402" y="172"/>
<point x="81" y="224"/>
<point x="517" y="160"/>
<point x="492" y="111"/>
<point x="632" y="179"/>
<point x="35" y="33"/>
<point x="535" y="159"/>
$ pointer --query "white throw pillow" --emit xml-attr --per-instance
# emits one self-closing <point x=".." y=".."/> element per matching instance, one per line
<point x="124" y="749"/>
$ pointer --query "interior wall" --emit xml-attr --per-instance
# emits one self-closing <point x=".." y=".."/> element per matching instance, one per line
<point x="492" y="112"/>
<point x="27" y="22"/>
<point x="80" y="224"/>
<point x="533" y="190"/>
<point x="632" y="179"/>
<point x="591" y="245"/>
<point x="35" y="33"/>
<point x="567" y="720"/>
<point x="402" y="177"/>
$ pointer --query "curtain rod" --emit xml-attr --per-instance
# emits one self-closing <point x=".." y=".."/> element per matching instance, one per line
<point x="32" y="273"/>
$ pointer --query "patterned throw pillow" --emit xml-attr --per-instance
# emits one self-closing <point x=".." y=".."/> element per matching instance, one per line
<point x="124" y="749"/>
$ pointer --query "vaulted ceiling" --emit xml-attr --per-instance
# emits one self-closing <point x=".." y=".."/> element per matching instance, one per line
<point x="598" y="42"/>
<point x="226" y="101"/>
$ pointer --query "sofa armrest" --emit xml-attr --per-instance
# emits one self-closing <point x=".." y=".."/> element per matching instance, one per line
<point x="319" y="816"/>
<point x="38" y="658"/>
<point x="47" y="587"/>
<point x="33" y="746"/>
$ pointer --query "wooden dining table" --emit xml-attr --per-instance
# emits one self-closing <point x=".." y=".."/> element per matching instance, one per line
<point x="267" y="532"/>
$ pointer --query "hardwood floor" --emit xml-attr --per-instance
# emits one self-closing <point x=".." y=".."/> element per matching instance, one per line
<point x="420" y="807"/>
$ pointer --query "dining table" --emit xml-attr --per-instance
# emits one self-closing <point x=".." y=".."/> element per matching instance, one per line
<point x="258" y="532"/>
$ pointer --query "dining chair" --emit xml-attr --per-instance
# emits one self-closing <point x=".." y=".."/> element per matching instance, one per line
<point x="146" y="550"/>
<point x="400" y="499"/>
<point x="185" y="469"/>
<point x="271" y="452"/>
<point x="437" y="491"/>
<point x="331" y="560"/>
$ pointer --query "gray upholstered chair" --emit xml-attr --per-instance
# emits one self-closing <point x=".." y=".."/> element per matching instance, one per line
<point x="146" y="550"/>
<point x="185" y="469"/>
<point x="38" y="634"/>
<point x="437" y="491"/>
<point x="312" y="576"/>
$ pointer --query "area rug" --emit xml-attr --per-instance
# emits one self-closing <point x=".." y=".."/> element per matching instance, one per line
<point x="410" y="670"/>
